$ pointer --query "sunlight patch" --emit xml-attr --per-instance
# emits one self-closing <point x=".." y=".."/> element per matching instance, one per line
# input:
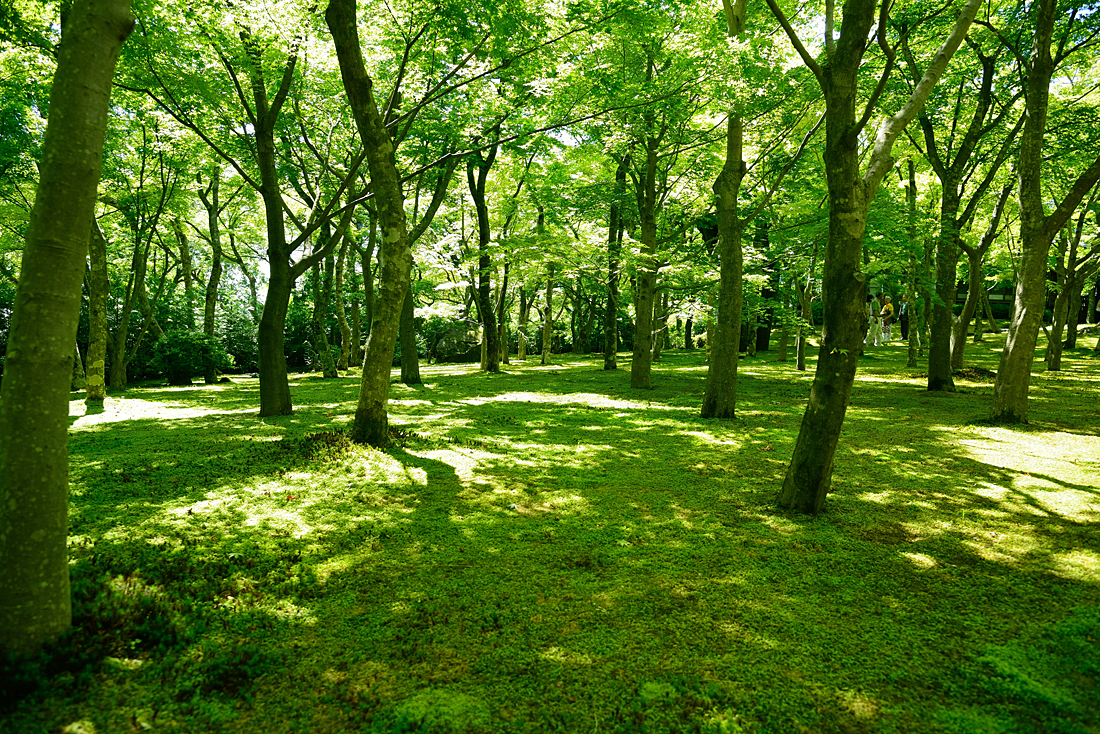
<point x="1078" y="564"/>
<point x="125" y="409"/>
<point x="568" y="657"/>
<point x="710" y="438"/>
<point x="591" y="400"/>
<point x="921" y="561"/>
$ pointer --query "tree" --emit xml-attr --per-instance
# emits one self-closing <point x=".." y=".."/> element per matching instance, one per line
<point x="1037" y="228"/>
<point x="35" y="604"/>
<point x="850" y="193"/>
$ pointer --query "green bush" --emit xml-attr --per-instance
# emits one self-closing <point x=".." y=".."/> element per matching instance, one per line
<point x="182" y="354"/>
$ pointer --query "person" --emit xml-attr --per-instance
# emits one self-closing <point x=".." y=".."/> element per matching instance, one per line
<point x="887" y="317"/>
<point x="903" y="317"/>
<point x="874" y="334"/>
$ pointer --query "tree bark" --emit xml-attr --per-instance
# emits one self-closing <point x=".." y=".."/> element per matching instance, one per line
<point x="614" y="258"/>
<point x="548" y="317"/>
<point x="410" y="360"/>
<point x="99" y="290"/>
<point x="35" y="603"/>
<point x="79" y="380"/>
<point x="724" y="338"/>
<point x="524" y="311"/>
<point x="1037" y="229"/>
<point x="212" y="204"/>
<point x="477" y="171"/>
<point x="641" y="365"/>
<point x="371" y="424"/>
<point x="976" y="280"/>
<point x="844" y="285"/>
<point x="341" y="312"/>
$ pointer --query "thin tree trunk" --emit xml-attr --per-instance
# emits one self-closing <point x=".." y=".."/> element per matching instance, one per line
<point x="524" y="310"/>
<point x="79" y="380"/>
<point x="341" y="312"/>
<point x="614" y="256"/>
<point x="410" y="360"/>
<point x="213" y="209"/>
<point x="35" y="600"/>
<point x="99" y="290"/>
<point x="548" y="322"/>
<point x="641" y="362"/>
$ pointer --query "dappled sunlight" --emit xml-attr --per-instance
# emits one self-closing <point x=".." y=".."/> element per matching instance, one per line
<point x="591" y="400"/>
<point x="123" y="409"/>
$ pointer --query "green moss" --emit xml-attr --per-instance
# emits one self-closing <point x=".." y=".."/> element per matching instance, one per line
<point x="551" y="551"/>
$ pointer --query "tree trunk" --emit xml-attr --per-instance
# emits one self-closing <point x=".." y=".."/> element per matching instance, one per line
<point x="186" y="269"/>
<point x="213" y="209"/>
<point x="1036" y="229"/>
<point x="660" y="326"/>
<point x="341" y="312"/>
<point x="322" y="295"/>
<point x="371" y="423"/>
<point x="724" y="337"/>
<point x="947" y="257"/>
<point x="844" y="286"/>
<point x="35" y="603"/>
<point x="79" y="380"/>
<point x="502" y="316"/>
<point x="614" y="257"/>
<point x="641" y="362"/>
<point x="524" y="310"/>
<point x="548" y="321"/>
<point x="410" y="360"/>
<point x="99" y="290"/>
<point x="975" y="283"/>
<point x="477" y="171"/>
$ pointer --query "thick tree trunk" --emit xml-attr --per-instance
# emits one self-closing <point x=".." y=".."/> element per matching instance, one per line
<point x="371" y="423"/>
<point x="35" y="603"/>
<point x="947" y="258"/>
<point x="99" y="290"/>
<point x="410" y="360"/>
<point x="720" y="395"/>
<point x="1036" y="229"/>
<point x="844" y="287"/>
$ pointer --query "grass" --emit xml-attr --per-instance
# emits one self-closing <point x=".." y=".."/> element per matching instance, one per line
<point x="548" y="550"/>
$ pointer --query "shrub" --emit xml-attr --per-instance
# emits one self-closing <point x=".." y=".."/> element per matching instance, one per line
<point x="182" y="354"/>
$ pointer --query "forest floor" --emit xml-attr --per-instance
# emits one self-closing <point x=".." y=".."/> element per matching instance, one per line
<point x="547" y="550"/>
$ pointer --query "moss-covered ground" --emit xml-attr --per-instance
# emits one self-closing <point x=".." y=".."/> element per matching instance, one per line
<point x="547" y="550"/>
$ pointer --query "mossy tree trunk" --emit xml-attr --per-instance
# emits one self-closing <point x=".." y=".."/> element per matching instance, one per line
<point x="371" y="423"/>
<point x="35" y="602"/>
<point x="1037" y="228"/>
<point x="844" y="285"/>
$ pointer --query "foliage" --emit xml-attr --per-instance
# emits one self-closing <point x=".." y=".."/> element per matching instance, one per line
<point x="183" y="354"/>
